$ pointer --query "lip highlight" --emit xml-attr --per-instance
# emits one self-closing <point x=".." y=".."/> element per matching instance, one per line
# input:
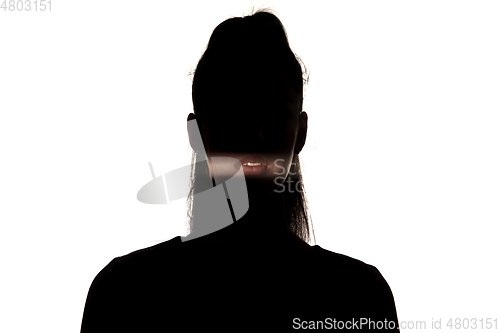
<point x="253" y="159"/>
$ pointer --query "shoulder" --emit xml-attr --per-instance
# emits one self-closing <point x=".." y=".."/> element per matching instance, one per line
<point x="139" y="263"/>
<point x="341" y="264"/>
<point x="356" y="282"/>
<point x="155" y="252"/>
<point x="350" y="269"/>
<point x="168" y="253"/>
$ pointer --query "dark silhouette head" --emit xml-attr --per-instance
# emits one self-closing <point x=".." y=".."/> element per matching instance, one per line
<point x="247" y="97"/>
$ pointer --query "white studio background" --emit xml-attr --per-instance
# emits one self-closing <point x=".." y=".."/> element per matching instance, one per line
<point x="403" y="105"/>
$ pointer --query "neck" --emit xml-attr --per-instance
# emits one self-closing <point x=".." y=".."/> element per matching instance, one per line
<point x="265" y="218"/>
<point x="264" y="225"/>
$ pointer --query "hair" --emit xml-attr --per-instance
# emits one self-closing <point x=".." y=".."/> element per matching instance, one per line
<point x="254" y="46"/>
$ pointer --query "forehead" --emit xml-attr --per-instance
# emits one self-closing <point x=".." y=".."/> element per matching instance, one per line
<point x="253" y="107"/>
<point x="259" y="92"/>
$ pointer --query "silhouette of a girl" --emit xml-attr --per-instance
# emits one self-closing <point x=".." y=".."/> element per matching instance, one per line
<point x="259" y="273"/>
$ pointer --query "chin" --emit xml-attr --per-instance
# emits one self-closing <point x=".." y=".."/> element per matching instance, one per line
<point x="261" y="187"/>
